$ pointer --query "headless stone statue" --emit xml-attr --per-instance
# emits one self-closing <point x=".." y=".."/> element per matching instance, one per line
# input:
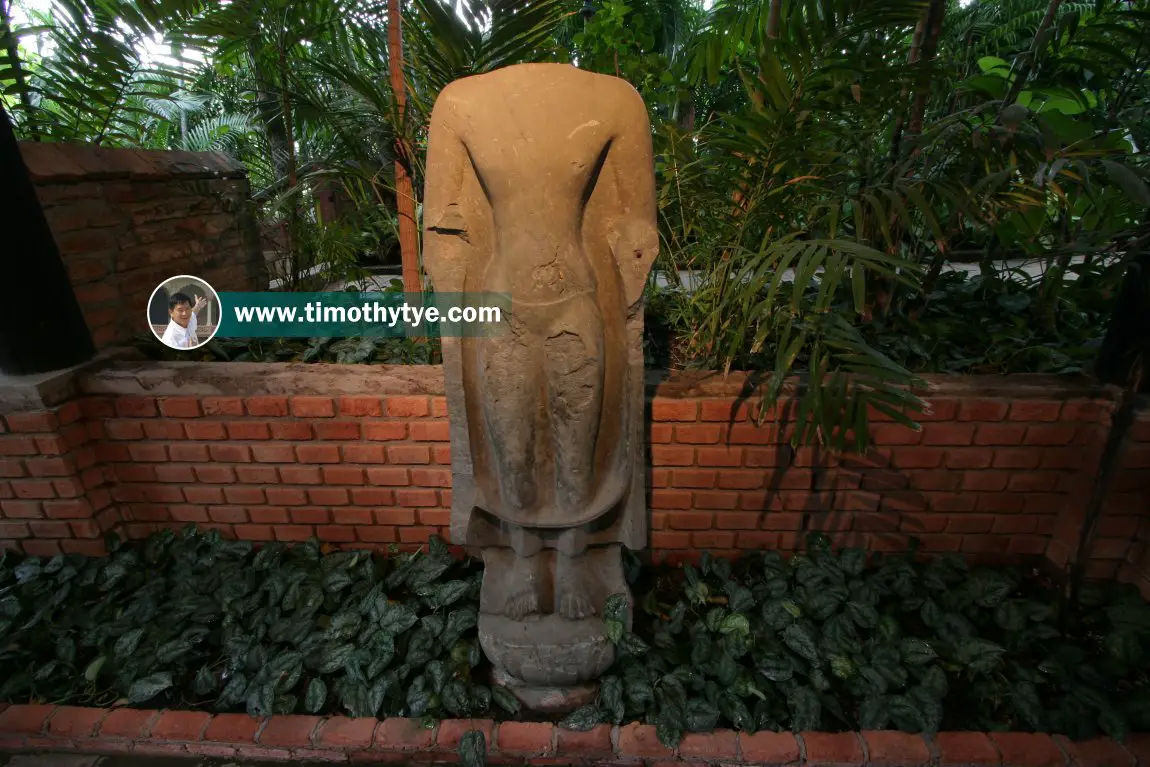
<point x="540" y="186"/>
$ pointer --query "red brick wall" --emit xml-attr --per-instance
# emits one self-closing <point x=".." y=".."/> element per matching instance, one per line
<point x="360" y="456"/>
<point x="1127" y="515"/>
<point x="126" y="219"/>
<point x="300" y="738"/>
<point x="56" y="493"/>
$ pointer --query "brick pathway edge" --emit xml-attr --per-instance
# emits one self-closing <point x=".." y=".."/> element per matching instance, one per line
<point x="26" y="728"/>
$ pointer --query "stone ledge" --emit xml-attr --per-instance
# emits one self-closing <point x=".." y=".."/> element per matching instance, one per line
<point x="41" y="391"/>
<point x="224" y="378"/>
<point x="397" y="740"/>
<point x="53" y="162"/>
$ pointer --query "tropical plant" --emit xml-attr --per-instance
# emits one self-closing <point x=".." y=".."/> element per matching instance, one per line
<point x="93" y="83"/>
<point x="845" y="640"/>
<point x="827" y="640"/>
<point x="868" y="175"/>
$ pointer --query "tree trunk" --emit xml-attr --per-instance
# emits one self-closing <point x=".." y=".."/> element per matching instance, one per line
<point x="42" y="327"/>
<point x="267" y="104"/>
<point x="774" y="17"/>
<point x="1025" y="63"/>
<point x="685" y="115"/>
<point x="404" y="190"/>
<point x="292" y="171"/>
<point x="912" y="58"/>
<point x="923" y="47"/>
<point x="933" y="30"/>
<point x="274" y="118"/>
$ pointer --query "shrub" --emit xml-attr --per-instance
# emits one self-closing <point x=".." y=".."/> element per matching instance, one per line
<point x="841" y="640"/>
<point x="824" y="640"/>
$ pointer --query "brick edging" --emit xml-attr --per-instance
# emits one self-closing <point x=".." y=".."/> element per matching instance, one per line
<point x="343" y="739"/>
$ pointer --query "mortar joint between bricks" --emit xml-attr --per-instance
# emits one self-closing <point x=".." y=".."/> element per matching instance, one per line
<point x="317" y="733"/>
<point x="802" y="748"/>
<point x="997" y="750"/>
<point x="1133" y="758"/>
<point x="94" y="732"/>
<point x="204" y="729"/>
<point x="554" y="740"/>
<point x="146" y="730"/>
<point x="863" y="744"/>
<point x="1066" y="759"/>
<point x="613" y="739"/>
<point x="100" y="724"/>
<point x="260" y="729"/>
<point x="932" y="749"/>
<point x="47" y="721"/>
<point x="313" y="736"/>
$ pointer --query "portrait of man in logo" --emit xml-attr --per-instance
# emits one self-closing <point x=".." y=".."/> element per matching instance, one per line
<point x="184" y="312"/>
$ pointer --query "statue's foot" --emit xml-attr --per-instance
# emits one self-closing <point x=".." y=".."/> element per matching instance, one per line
<point x="522" y="589"/>
<point x="573" y="605"/>
<point x="572" y="599"/>
<point x="521" y="604"/>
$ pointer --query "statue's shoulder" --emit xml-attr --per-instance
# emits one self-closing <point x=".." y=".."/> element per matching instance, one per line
<point x="542" y="75"/>
<point x="475" y="93"/>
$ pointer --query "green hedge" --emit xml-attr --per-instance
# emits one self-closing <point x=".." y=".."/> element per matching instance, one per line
<point x="823" y="640"/>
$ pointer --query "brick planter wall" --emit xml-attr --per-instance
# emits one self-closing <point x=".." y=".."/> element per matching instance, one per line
<point x="339" y="739"/>
<point x="1002" y="468"/>
<point x="126" y="219"/>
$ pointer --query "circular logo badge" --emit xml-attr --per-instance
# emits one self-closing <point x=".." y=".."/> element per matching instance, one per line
<point x="184" y="312"/>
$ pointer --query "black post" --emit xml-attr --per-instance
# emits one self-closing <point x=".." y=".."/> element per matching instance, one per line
<point x="1124" y="359"/>
<point x="41" y="325"/>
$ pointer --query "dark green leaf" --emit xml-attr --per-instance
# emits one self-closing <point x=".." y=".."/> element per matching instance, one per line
<point x="334" y="657"/>
<point x="916" y="652"/>
<point x="615" y="608"/>
<point x="864" y="615"/>
<point x="1025" y="700"/>
<point x="473" y="749"/>
<point x="205" y="681"/>
<point x="701" y="715"/>
<point x="397" y="618"/>
<point x="92" y="671"/>
<point x="907" y="716"/>
<point x="805" y="708"/>
<point x="316" y="696"/>
<point x="611" y="698"/>
<point x="874" y="713"/>
<point x="143" y="690"/>
<point x="505" y="699"/>
<point x="583" y="719"/>
<point x="801" y="639"/>
<point x="980" y="655"/>
<point x="449" y="593"/>
<point x="127" y="643"/>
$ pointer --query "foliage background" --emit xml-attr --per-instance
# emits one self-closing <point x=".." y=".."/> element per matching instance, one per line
<point x="820" y="162"/>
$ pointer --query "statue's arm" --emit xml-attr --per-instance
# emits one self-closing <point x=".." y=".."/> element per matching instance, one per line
<point x="635" y="240"/>
<point x="446" y="222"/>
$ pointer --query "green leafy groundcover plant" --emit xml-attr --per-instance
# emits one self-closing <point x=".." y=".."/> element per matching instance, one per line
<point x="824" y="640"/>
